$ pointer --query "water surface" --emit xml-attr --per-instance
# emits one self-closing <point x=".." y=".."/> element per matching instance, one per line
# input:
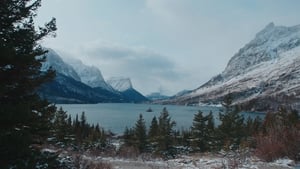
<point x="116" y="116"/>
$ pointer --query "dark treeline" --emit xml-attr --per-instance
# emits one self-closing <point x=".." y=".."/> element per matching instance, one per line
<point x="77" y="132"/>
<point x="278" y="135"/>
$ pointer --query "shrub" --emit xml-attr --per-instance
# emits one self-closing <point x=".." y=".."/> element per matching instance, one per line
<point x="280" y="138"/>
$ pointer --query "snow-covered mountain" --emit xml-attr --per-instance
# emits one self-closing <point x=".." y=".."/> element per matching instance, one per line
<point x="79" y="83"/>
<point x="89" y="75"/>
<point x="120" y="83"/>
<point x="124" y="85"/>
<point x="55" y="61"/>
<point x="266" y="69"/>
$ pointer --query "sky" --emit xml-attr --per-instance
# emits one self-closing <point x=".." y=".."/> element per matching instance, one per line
<point x="163" y="46"/>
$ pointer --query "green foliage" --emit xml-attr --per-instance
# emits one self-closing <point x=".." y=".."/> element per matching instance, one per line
<point x="165" y="138"/>
<point x="128" y="136"/>
<point x="61" y="126"/>
<point x="203" y="132"/>
<point x="160" y="138"/>
<point x="231" y="129"/>
<point x="140" y="132"/>
<point x="153" y="131"/>
<point x="78" y="132"/>
<point x="137" y="136"/>
<point x="24" y="118"/>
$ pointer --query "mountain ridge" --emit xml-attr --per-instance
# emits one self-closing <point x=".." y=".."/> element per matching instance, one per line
<point x="124" y="86"/>
<point x="79" y="83"/>
<point x="266" y="67"/>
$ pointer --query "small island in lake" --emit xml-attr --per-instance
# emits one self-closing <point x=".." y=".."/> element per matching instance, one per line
<point x="149" y="110"/>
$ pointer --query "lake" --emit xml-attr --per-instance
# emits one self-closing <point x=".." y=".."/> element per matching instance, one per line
<point x="116" y="116"/>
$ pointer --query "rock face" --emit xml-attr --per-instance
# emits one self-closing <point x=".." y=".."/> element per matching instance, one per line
<point x="56" y="62"/>
<point x="124" y="86"/>
<point x="64" y="89"/>
<point x="79" y="83"/>
<point x="89" y="75"/>
<point x="120" y="83"/>
<point x="266" y="69"/>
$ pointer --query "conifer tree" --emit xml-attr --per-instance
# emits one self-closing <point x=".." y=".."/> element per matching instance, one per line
<point x="165" y="128"/>
<point x="231" y="129"/>
<point x="140" y="132"/>
<point x="202" y="131"/>
<point x="153" y="131"/>
<point x="128" y="136"/>
<point x="24" y="118"/>
<point x="61" y="124"/>
<point x="84" y="127"/>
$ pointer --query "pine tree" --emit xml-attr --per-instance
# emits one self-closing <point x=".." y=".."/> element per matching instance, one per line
<point x="61" y="124"/>
<point x="128" y="136"/>
<point x="153" y="131"/>
<point x="165" y="128"/>
<point x="231" y="129"/>
<point x="140" y="133"/>
<point x="24" y="118"/>
<point x="202" y="131"/>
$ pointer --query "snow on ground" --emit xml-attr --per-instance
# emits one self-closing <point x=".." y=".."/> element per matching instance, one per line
<point x="196" y="161"/>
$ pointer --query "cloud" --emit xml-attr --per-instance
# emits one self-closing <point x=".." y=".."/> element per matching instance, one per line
<point x="193" y="40"/>
<point x="149" y="70"/>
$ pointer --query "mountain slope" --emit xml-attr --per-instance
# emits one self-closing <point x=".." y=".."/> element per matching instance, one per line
<point x="79" y="83"/>
<point x="265" y="69"/>
<point x="89" y="75"/>
<point x="120" y="83"/>
<point x="124" y="86"/>
<point x="55" y="61"/>
<point x="64" y="89"/>
<point x="67" y="86"/>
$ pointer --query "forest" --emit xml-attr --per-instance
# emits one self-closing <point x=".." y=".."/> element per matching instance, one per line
<point x="28" y="123"/>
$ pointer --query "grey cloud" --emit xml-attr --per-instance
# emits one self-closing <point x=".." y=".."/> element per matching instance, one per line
<point x="109" y="52"/>
<point x="146" y="68"/>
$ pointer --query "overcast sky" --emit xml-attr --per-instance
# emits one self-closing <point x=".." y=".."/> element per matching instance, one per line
<point x="162" y="45"/>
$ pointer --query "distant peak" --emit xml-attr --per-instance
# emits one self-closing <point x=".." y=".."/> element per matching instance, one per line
<point x="120" y="83"/>
<point x="270" y="25"/>
<point x="269" y="28"/>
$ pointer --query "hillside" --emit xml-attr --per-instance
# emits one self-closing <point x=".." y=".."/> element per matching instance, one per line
<point x="79" y="83"/>
<point x="265" y="71"/>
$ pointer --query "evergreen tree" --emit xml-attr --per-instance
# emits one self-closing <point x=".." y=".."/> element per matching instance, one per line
<point x="128" y="136"/>
<point x="141" y="134"/>
<point x="153" y="131"/>
<point x="165" y="128"/>
<point x="231" y="129"/>
<point x="202" y="131"/>
<point x="69" y="121"/>
<point x="61" y="124"/>
<point x="24" y="118"/>
<point x="83" y="129"/>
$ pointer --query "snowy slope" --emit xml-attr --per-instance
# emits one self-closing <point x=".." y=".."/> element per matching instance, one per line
<point x="54" y="60"/>
<point x="79" y="83"/>
<point x="89" y="75"/>
<point x="120" y="84"/>
<point x="267" y="46"/>
<point x="124" y="86"/>
<point x="268" y="66"/>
